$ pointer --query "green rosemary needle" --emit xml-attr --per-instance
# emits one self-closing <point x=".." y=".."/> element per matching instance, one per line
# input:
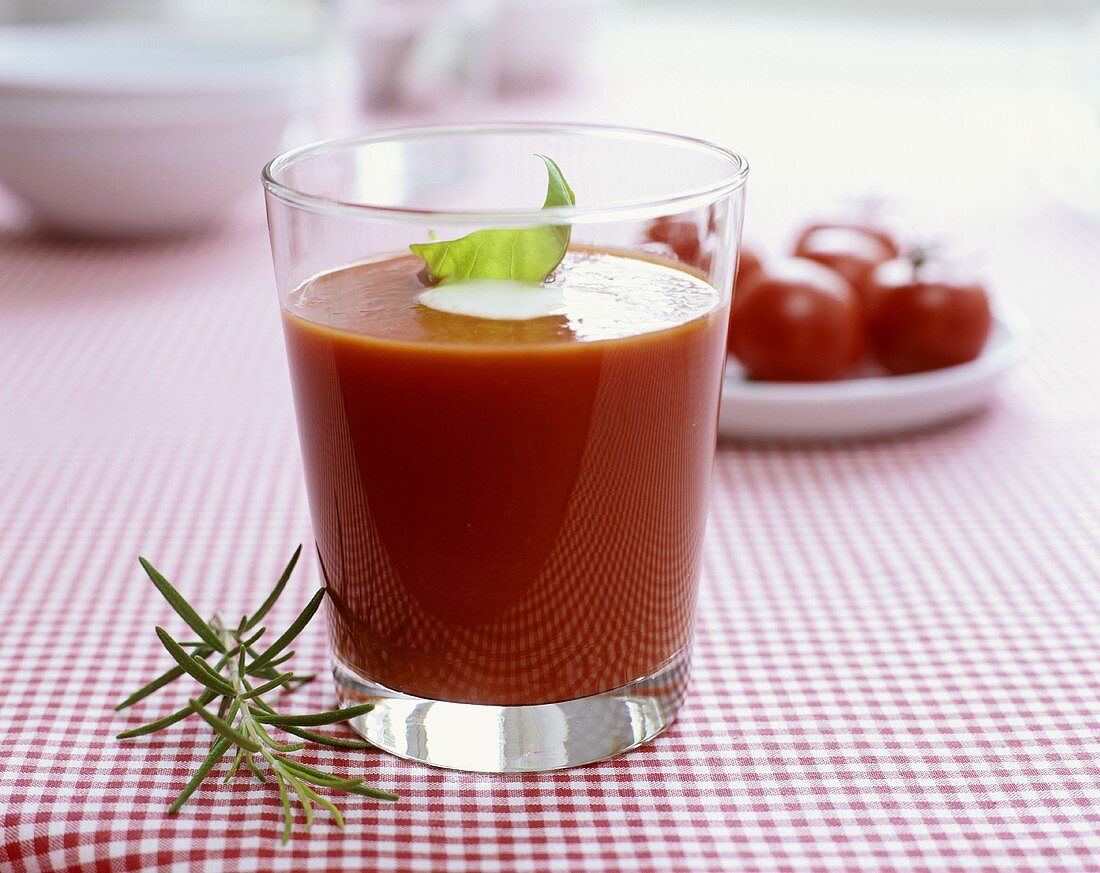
<point x="223" y="661"/>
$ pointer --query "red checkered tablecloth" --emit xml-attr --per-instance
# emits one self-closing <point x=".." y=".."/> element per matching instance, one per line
<point x="898" y="655"/>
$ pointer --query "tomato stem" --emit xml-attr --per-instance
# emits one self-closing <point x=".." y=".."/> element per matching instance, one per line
<point x="918" y="257"/>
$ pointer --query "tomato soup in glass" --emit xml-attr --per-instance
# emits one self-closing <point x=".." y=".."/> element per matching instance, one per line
<point x="508" y="508"/>
<point x="508" y="512"/>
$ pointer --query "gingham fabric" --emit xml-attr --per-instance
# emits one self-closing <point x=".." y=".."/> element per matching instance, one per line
<point x="897" y="663"/>
<point x="898" y="652"/>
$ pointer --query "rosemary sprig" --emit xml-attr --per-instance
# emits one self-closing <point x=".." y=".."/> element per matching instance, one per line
<point x="222" y="661"/>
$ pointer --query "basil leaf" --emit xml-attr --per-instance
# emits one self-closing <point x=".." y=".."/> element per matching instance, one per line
<point x="527" y="254"/>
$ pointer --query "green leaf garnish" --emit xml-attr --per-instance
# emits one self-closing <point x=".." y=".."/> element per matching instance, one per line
<point x="528" y="254"/>
<point x="243" y="716"/>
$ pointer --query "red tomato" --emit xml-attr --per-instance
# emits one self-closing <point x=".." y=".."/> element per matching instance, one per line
<point x="854" y="253"/>
<point x="747" y="264"/>
<point x="876" y="233"/>
<point x="679" y="234"/>
<point x="794" y="320"/>
<point x="918" y="319"/>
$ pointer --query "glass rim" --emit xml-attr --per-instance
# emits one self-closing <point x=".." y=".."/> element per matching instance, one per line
<point x="641" y="208"/>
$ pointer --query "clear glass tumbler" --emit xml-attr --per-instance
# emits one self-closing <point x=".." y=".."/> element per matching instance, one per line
<point x="508" y="508"/>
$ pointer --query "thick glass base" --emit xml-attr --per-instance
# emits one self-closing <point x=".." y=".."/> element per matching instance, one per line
<point x="517" y="739"/>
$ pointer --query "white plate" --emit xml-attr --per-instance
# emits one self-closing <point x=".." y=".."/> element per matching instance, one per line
<point x="870" y="405"/>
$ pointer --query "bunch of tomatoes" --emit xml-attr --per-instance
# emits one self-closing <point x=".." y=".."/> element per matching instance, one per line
<point x="845" y="295"/>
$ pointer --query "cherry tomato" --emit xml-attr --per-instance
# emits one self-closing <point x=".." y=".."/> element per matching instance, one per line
<point x="680" y="235"/>
<point x="918" y="318"/>
<point x="794" y="320"/>
<point x="854" y="253"/>
<point x="747" y="264"/>
<point x="866" y="229"/>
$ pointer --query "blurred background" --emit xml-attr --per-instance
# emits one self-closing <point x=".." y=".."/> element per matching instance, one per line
<point x="933" y="113"/>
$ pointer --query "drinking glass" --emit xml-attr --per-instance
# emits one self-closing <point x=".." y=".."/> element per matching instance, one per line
<point x="509" y="528"/>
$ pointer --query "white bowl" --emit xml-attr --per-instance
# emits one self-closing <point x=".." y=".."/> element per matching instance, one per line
<point x="539" y="43"/>
<point x="869" y="406"/>
<point x="109" y="131"/>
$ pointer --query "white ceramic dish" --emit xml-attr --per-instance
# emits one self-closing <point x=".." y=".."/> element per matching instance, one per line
<point x="539" y="43"/>
<point x="122" y="132"/>
<point x="869" y="406"/>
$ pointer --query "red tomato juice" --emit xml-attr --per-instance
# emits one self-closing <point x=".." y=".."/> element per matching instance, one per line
<point x="508" y="512"/>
